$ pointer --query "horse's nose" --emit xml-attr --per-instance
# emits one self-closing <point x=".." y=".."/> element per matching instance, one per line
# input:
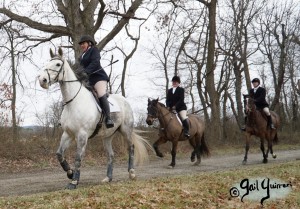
<point x="44" y="80"/>
<point x="149" y="121"/>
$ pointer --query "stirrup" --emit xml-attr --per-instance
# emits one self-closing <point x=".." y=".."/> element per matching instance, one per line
<point x="186" y="134"/>
<point x="272" y="127"/>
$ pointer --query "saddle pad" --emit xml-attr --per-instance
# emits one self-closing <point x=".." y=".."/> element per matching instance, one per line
<point x="179" y="120"/>
<point x="113" y="104"/>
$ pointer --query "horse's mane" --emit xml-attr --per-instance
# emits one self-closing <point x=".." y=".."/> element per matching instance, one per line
<point x="161" y="104"/>
<point x="76" y="68"/>
<point x="79" y="73"/>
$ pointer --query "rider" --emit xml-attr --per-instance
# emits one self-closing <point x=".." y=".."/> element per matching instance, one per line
<point x="175" y="101"/>
<point x="259" y="95"/>
<point x="90" y="61"/>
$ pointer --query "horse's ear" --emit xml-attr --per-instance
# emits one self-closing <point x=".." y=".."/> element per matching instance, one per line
<point x="157" y="99"/>
<point x="51" y="53"/>
<point x="60" y="52"/>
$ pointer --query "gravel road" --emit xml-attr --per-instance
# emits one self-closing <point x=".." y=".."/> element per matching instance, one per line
<point x="25" y="183"/>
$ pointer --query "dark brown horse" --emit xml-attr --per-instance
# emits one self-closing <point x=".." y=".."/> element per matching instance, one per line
<point x="171" y="130"/>
<point x="257" y="125"/>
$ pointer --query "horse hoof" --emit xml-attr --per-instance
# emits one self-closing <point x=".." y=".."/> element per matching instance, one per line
<point x="197" y="163"/>
<point x="265" y="160"/>
<point x="171" y="166"/>
<point x="71" y="186"/>
<point x="244" y="162"/>
<point x="70" y="174"/>
<point x="132" y="175"/>
<point x="274" y="156"/>
<point x="106" y="180"/>
<point x="160" y="155"/>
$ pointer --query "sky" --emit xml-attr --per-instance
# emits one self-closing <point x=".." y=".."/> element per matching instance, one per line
<point x="33" y="100"/>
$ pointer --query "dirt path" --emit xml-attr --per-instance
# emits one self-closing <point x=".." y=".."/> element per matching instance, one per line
<point x="55" y="179"/>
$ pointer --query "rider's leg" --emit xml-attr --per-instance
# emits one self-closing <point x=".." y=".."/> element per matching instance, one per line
<point x="185" y="123"/>
<point x="270" y="123"/>
<point x="100" y="88"/>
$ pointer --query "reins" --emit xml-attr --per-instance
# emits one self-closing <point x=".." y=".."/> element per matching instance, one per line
<point x="162" y="116"/>
<point x="62" y="81"/>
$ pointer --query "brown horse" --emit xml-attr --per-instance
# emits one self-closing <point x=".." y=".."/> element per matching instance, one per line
<point x="257" y="125"/>
<point x="171" y="130"/>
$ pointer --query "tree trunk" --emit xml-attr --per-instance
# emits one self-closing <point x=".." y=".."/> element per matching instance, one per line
<point x="215" y="122"/>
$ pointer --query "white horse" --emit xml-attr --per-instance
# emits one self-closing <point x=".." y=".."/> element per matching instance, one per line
<point x="80" y="117"/>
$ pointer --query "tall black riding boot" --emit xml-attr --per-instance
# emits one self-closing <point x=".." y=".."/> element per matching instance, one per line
<point x="270" y="123"/>
<point x="186" y="127"/>
<point x="106" y="110"/>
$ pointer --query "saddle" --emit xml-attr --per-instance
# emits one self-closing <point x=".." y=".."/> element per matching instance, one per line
<point x="264" y="115"/>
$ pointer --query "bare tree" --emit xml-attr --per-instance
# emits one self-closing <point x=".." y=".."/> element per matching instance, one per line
<point x="235" y="43"/>
<point x="214" y="98"/>
<point x="67" y="20"/>
<point x="12" y="49"/>
<point x="276" y="35"/>
<point x="78" y="18"/>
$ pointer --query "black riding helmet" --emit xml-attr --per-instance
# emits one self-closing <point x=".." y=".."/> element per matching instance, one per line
<point x="255" y="80"/>
<point x="87" y="38"/>
<point x="176" y="78"/>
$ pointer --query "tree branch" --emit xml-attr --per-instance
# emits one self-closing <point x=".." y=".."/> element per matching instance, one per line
<point x="129" y="15"/>
<point x="33" y="24"/>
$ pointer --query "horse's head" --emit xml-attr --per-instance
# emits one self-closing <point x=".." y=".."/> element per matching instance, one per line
<point x="152" y="111"/>
<point x="249" y="103"/>
<point x="52" y="72"/>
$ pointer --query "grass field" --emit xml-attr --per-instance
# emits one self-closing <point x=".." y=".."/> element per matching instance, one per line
<point x="204" y="190"/>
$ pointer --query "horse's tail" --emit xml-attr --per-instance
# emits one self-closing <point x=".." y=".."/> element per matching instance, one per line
<point x="140" y="148"/>
<point x="204" y="150"/>
<point x="275" y="139"/>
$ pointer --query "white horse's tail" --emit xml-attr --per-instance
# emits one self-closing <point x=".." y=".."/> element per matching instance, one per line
<point x="140" y="148"/>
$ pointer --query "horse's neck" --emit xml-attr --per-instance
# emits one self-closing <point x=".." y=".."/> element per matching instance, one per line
<point x="255" y="116"/>
<point x="165" y="116"/>
<point x="70" y="89"/>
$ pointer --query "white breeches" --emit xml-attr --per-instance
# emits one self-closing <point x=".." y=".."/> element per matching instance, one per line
<point x="100" y="88"/>
<point x="267" y="111"/>
<point x="182" y="115"/>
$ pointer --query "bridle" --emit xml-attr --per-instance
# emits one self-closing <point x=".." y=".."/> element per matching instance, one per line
<point x="249" y="108"/>
<point x="56" y="71"/>
<point x="153" y="112"/>
<point x="56" y="79"/>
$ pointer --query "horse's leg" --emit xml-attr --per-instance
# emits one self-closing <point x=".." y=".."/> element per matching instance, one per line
<point x="64" y="144"/>
<point x="262" y="148"/>
<point x="195" y="143"/>
<point x="110" y="159"/>
<point x="198" y="149"/>
<point x="271" y="150"/>
<point x="247" y="147"/>
<point x="128" y="134"/>
<point x="271" y="147"/>
<point x="158" y="142"/>
<point x="81" y="141"/>
<point x="173" y="153"/>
